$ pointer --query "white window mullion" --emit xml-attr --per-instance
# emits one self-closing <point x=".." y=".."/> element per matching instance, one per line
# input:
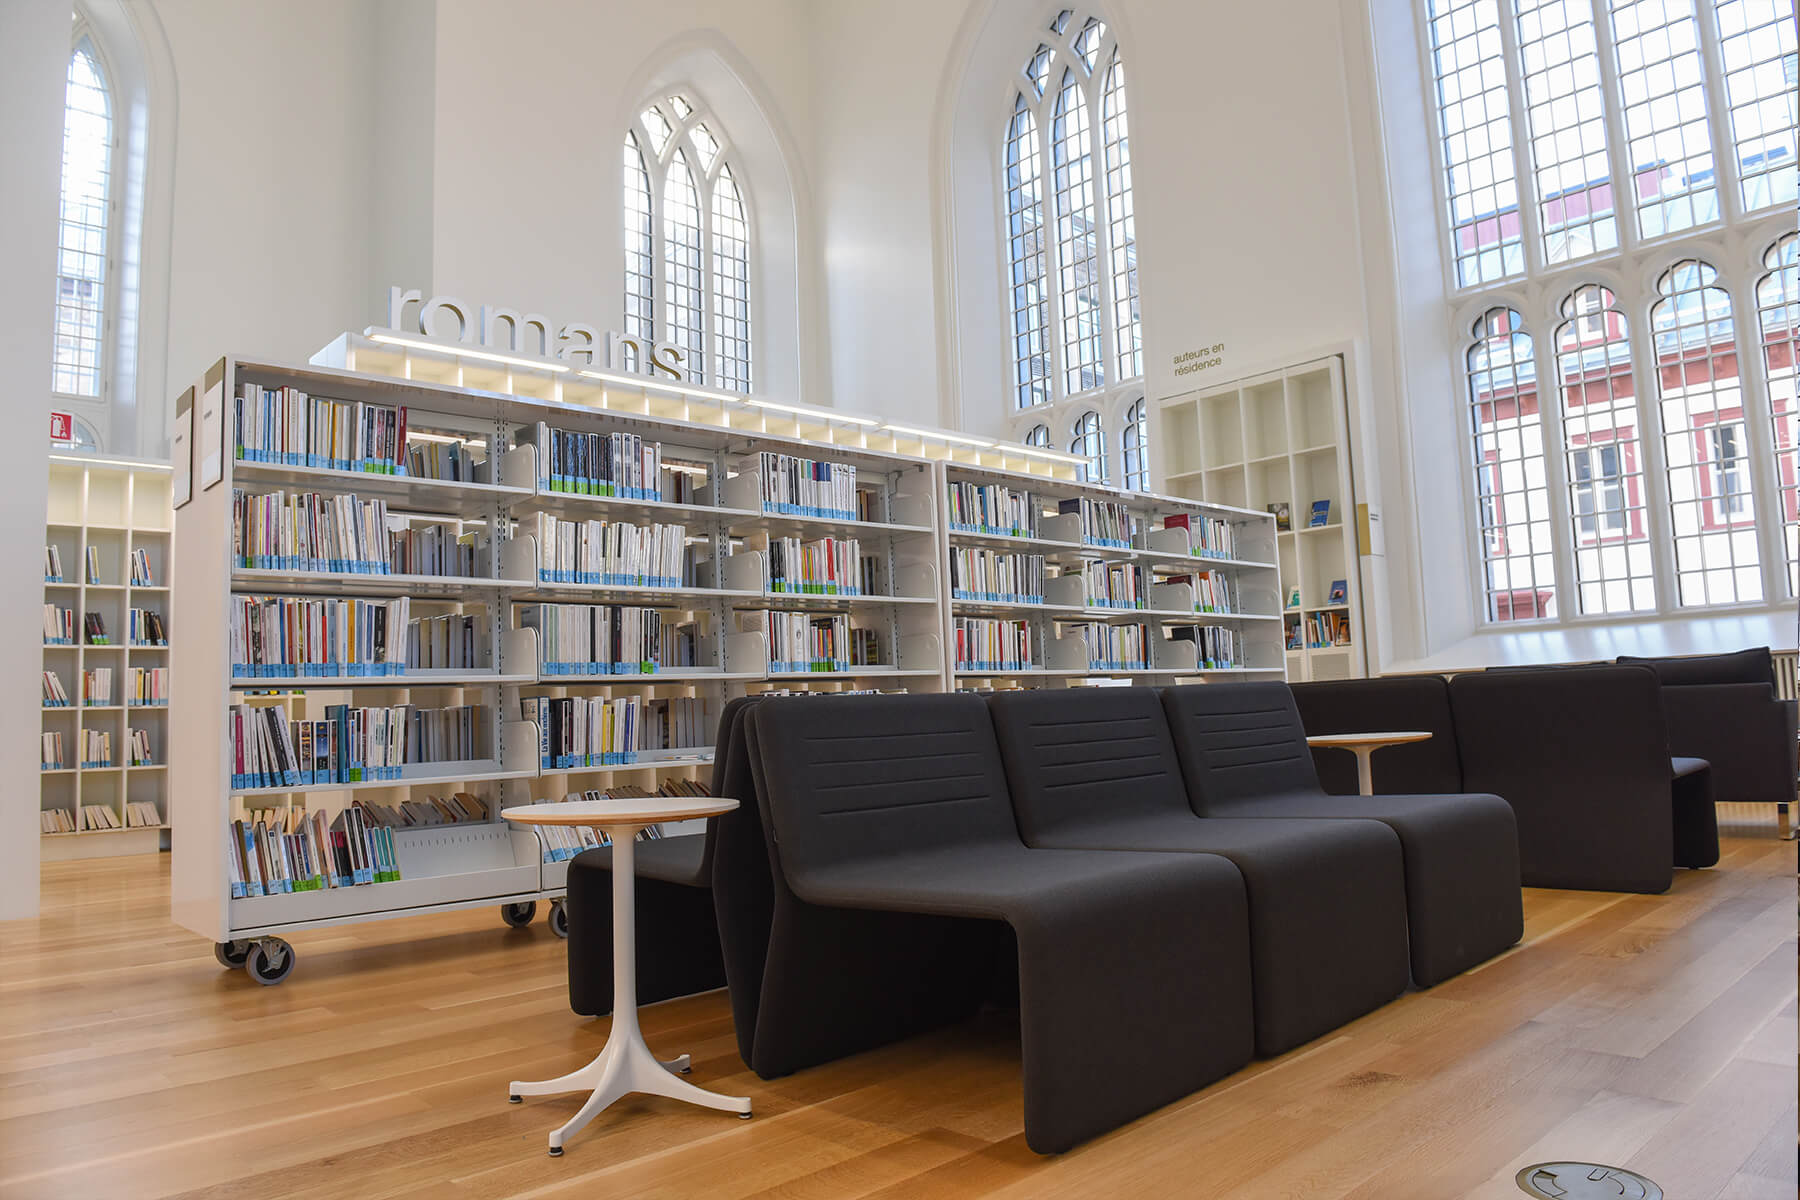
<point x="1556" y="466"/>
<point x="1047" y="227"/>
<point x="1718" y="120"/>
<point x="1109" y="363"/>
<point x="1658" y="505"/>
<point x="1524" y="169"/>
<point x="1759" y="425"/>
<point x="1625" y="217"/>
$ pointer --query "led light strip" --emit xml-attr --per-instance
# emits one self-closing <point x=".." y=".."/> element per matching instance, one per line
<point x="461" y="351"/>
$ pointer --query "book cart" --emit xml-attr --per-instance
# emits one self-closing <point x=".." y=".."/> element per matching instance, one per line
<point x="721" y="605"/>
<point x="1145" y="588"/>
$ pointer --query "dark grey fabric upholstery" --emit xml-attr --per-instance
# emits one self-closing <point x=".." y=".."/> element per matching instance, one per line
<point x="1695" y="815"/>
<point x="743" y="893"/>
<point x="1581" y="755"/>
<point x="1133" y="969"/>
<point x="1243" y="753"/>
<point x="1095" y="769"/>
<point x="1383" y="705"/>
<point x="1723" y="708"/>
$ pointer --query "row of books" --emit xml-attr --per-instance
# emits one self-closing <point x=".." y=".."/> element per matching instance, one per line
<point x="437" y="550"/>
<point x="1318" y="630"/>
<point x="307" y="531"/>
<point x="808" y="487"/>
<point x="576" y="732"/>
<point x="287" y="637"/>
<point x="452" y="461"/>
<point x="1116" y="647"/>
<point x="144" y="627"/>
<point x="610" y="553"/>
<point x="1103" y="522"/>
<point x="1208" y="537"/>
<point x="96" y="749"/>
<point x="53" y="571"/>
<point x="286" y="426"/>
<point x="448" y="642"/>
<point x="1115" y="585"/>
<point x="607" y="639"/>
<point x="596" y="464"/>
<point x="993" y="509"/>
<point x="996" y="576"/>
<point x="458" y="808"/>
<point x="814" y="641"/>
<point x="1214" y="591"/>
<point x="59" y="627"/>
<point x="139" y="748"/>
<point x="139" y="814"/>
<point x="350" y="745"/>
<point x="993" y="644"/>
<point x="97" y="687"/>
<point x="147" y="687"/>
<point x="141" y="575"/>
<point x="1216" y="648"/>
<point x="823" y="567"/>
<point x="93" y="564"/>
<point x="561" y="842"/>
<point x="263" y="861"/>
<point x="55" y="695"/>
<point x="54" y="753"/>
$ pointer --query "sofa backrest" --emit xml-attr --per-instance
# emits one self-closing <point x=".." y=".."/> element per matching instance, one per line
<point x="1238" y="741"/>
<point x="1387" y="704"/>
<point x="1744" y="666"/>
<point x="743" y="887"/>
<point x="1075" y="755"/>
<point x="865" y="777"/>
<point x="1582" y="755"/>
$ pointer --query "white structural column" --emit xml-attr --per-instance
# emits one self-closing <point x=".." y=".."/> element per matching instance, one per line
<point x="36" y="36"/>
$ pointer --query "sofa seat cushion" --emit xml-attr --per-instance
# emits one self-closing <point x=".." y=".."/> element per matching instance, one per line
<point x="670" y="860"/>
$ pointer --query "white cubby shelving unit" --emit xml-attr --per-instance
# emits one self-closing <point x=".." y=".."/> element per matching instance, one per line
<point x="113" y="507"/>
<point x="1282" y="438"/>
<point x="477" y="864"/>
<point x="1163" y="556"/>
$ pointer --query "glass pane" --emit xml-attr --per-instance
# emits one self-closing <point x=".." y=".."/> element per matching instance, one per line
<point x="1090" y="443"/>
<point x="1039" y="436"/>
<point x="1477" y="139"/>
<point x="1038" y="69"/>
<point x="731" y="286"/>
<point x="1087" y="42"/>
<point x="1567" y="120"/>
<point x="1757" y="44"/>
<point x="1600" y="429"/>
<point x="682" y="266"/>
<point x="1778" y="310"/>
<point x="1519" y="580"/>
<point x="1713" y="512"/>
<point x="705" y="146"/>
<point x="1025" y="256"/>
<point x="1078" y="252"/>
<point x="81" y="237"/>
<point x="1135" y="443"/>
<point x="1671" y="158"/>
<point x="658" y="128"/>
<point x="1121" y="226"/>
<point x="640" y="247"/>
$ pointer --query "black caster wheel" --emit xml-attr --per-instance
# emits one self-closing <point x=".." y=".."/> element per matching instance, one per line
<point x="556" y="1152"/>
<point x="518" y="915"/>
<point x="270" y="961"/>
<point x="743" y="1116"/>
<point x="515" y="1100"/>
<point x="687" y="1070"/>
<point x="559" y="918"/>
<point x="231" y="954"/>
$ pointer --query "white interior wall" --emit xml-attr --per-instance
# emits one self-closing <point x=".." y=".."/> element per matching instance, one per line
<point x="35" y="34"/>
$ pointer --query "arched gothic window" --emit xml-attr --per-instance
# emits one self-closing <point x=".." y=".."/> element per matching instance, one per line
<point x="1133" y="439"/>
<point x="687" y="242"/>
<point x="83" y="279"/>
<point x="1090" y="443"/>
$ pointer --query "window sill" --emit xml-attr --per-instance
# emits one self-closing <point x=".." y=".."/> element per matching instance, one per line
<point x="1774" y="626"/>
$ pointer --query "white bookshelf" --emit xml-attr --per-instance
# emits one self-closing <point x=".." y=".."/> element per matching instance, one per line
<point x="490" y="863"/>
<point x="1281" y="437"/>
<point x="113" y="506"/>
<point x="1162" y="555"/>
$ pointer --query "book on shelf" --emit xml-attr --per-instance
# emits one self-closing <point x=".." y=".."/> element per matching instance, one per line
<point x="449" y="460"/>
<point x="1116" y="647"/>
<point x="1337" y="593"/>
<point x="560" y="842"/>
<point x="144" y="627"/>
<point x="147" y="687"/>
<point x="1103" y="522"/>
<point x="993" y="644"/>
<point x="611" y="553"/>
<point x="59" y="626"/>
<point x="437" y="549"/>
<point x="57" y="820"/>
<point x="993" y="509"/>
<point x="1115" y="585"/>
<point x="98" y="816"/>
<point x="96" y="687"/>
<point x="141" y="575"/>
<point x="448" y="642"/>
<point x="996" y="576"/>
<point x="93" y="630"/>
<point x="1284" y="520"/>
<point x="1321" y="514"/>
<point x="1295" y="635"/>
<point x="142" y="814"/>
<point x="55" y="695"/>
<point x="618" y="465"/>
<point x="141" y="755"/>
<point x="1293" y="596"/>
<point x="1214" y="591"/>
<point x="1216" y="648"/>
<point x="53" y="753"/>
<point x="822" y="567"/>
<point x="577" y="732"/>
<point x="1327" y="629"/>
<point x="96" y="749"/>
<point x="808" y="487"/>
<point x="285" y="426"/>
<point x="350" y="851"/>
<point x="608" y="639"/>
<point x="350" y="744"/>
<point x="53" y="572"/>
<point x="1208" y="537"/>
<point x="801" y="641"/>
<point x="457" y="808"/>
<point x="93" y="565"/>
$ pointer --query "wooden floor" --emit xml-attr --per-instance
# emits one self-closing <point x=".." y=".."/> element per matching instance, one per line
<point x="1654" y="1032"/>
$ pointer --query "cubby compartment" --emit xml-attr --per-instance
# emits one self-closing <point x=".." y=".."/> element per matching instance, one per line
<point x="1312" y="408"/>
<point x="154" y="732"/>
<point x="1270" y="484"/>
<point x="153" y="550"/>
<point x="1180" y="440"/>
<point x="1323" y="563"/>
<point x="103" y="561"/>
<point x="108" y="499"/>
<point x="102" y="789"/>
<point x="1227" y="485"/>
<point x="61" y="792"/>
<point x="1221" y="430"/>
<point x="67" y="541"/>
<point x="67" y="487"/>
<point x="1265" y="421"/>
<point x="1317" y="479"/>
<point x="150" y="501"/>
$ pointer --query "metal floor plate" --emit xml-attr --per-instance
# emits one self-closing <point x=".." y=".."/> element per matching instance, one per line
<point x="1585" y="1181"/>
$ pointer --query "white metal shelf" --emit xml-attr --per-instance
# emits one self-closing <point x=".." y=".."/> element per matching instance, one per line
<point x="408" y="492"/>
<point x="349" y="583"/>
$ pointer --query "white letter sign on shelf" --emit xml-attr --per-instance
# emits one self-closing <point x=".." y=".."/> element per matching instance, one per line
<point x="1205" y="358"/>
<point x="511" y="331"/>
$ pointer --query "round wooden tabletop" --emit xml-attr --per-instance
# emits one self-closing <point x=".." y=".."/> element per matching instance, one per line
<point x="1350" y="740"/>
<point x="637" y="810"/>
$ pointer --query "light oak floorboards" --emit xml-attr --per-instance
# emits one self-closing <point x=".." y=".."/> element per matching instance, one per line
<point x="1654" y="1032"/>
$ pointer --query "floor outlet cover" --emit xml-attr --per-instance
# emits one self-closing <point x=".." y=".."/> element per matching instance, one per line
<point x="1585" y="1181"/>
